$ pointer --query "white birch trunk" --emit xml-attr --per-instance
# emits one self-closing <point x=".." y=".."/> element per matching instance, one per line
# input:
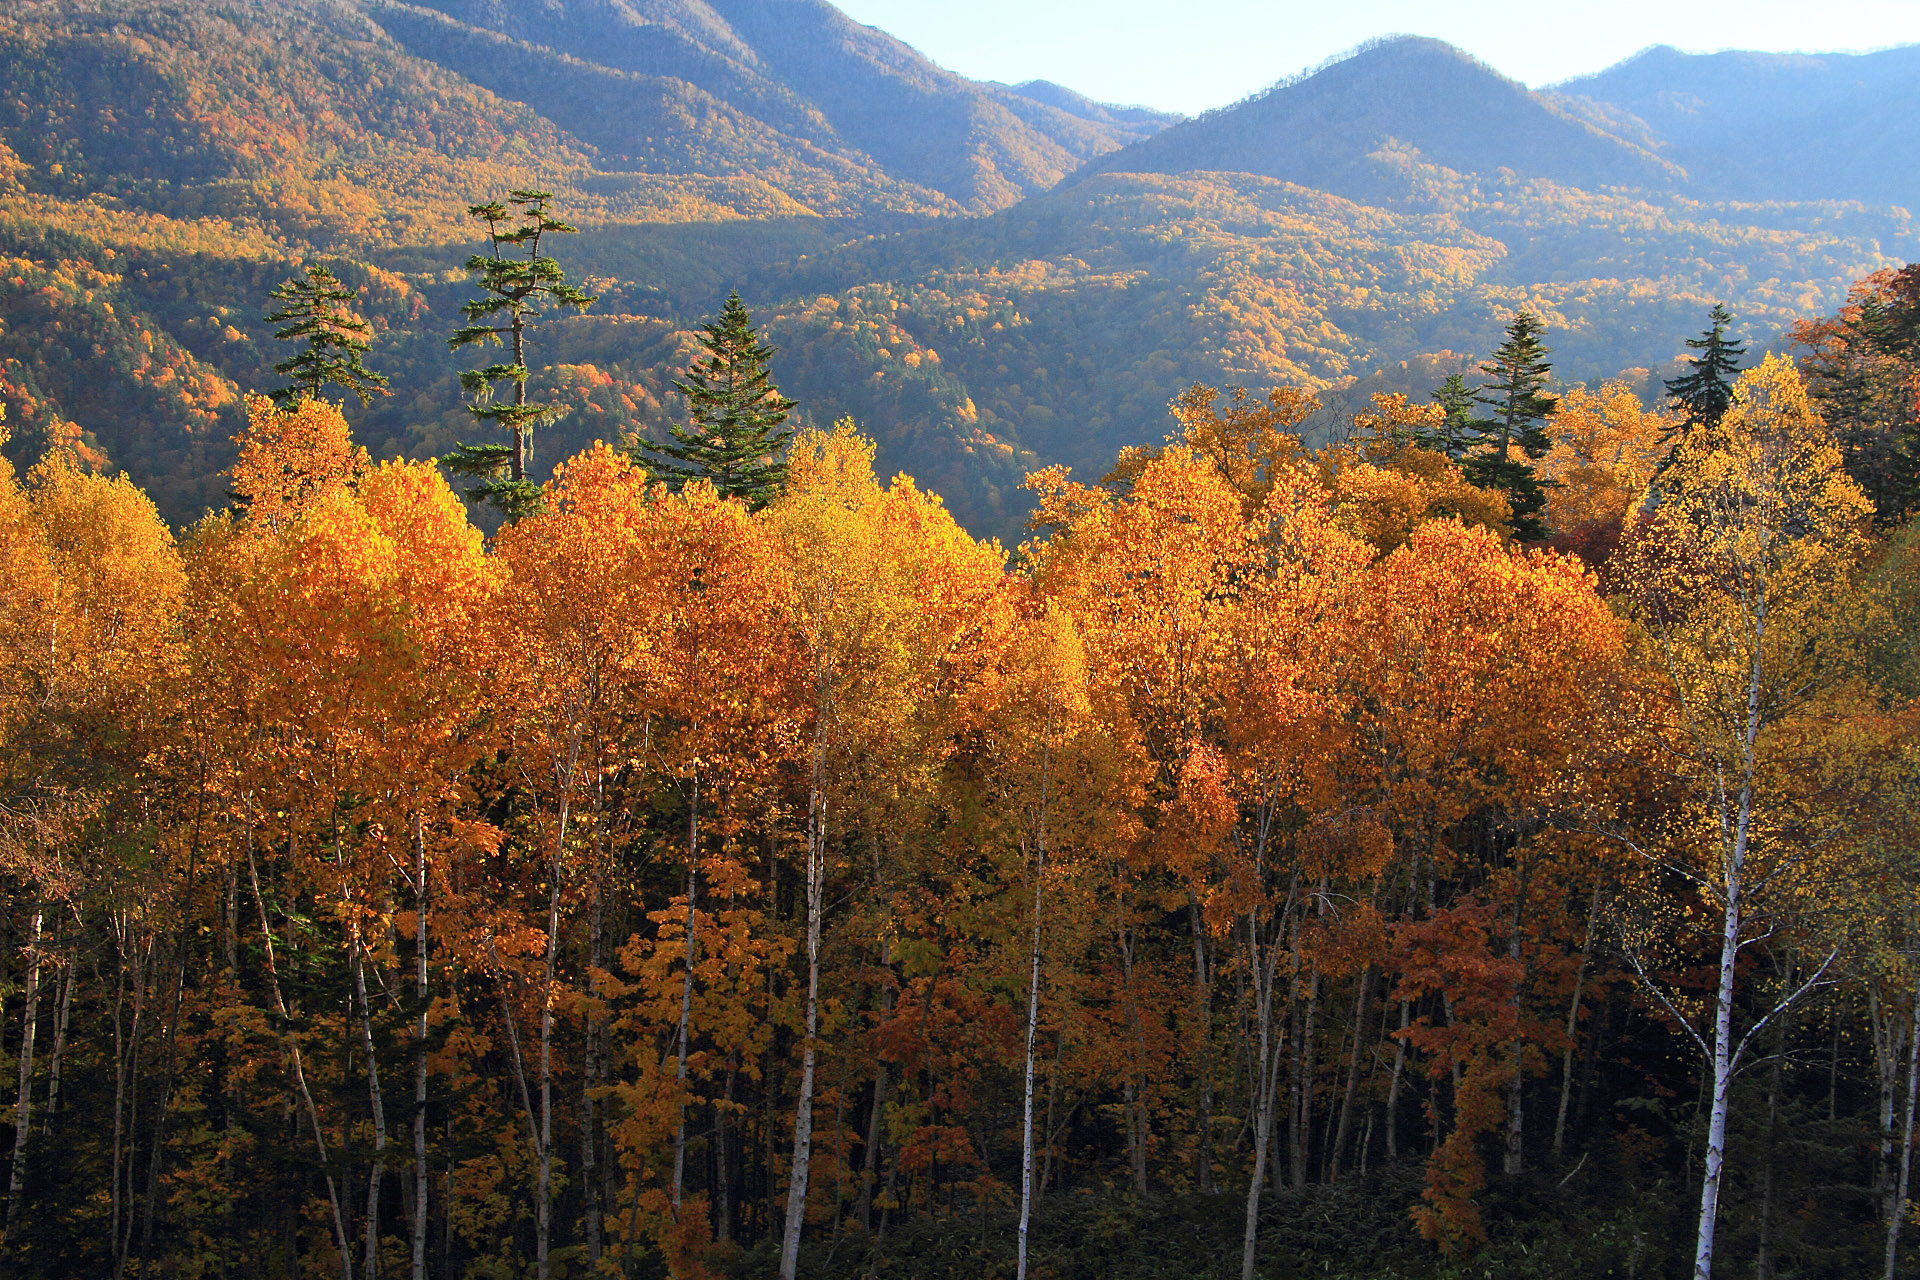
<point x="1033" y="1020"/>
<point x="803" y="1110"/>
<point x="23" y="1104"/>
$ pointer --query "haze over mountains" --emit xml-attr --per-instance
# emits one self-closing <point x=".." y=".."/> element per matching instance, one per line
<point x="986" y="277"/>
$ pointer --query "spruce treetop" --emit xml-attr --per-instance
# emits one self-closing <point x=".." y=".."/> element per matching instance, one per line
<point x="738" y="429"/>
<point x="1705" y="390"/>
<point x="1517" y="392"/>
<point x="1521" y="406"/>
<point x="317" y="311"/>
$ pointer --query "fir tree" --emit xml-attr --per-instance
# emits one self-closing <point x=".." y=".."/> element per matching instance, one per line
<point x="1455" y="435"/>
<point x="1861" y="373"/>
<point x="316" y="310"/>
<point x="516" y="281"/>
<point x="738" y="429"/>
<point x="1521" y="406"/>
<point x="1705" y="390"/>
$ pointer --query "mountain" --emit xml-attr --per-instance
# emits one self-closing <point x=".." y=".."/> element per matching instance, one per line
<point x="923" y="249"/>
<point x="797" y="69"/>
<point x="1760" y="126"/>
<point x="1408" y="93"/>
<point x="1046" y="92"/>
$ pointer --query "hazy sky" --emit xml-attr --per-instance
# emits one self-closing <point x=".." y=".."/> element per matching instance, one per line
<point x="1189" y="55"/>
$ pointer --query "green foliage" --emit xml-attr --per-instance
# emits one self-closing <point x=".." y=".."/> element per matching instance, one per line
<point x="1454" y="437"/>
<point x="315" y="310"/>
<point x="1705" y="390"/>
<point x="738" y="432"/>
<point x="516" y="281"/>
<point x="1519" y="370"/>
<point x="1862" y="370"/>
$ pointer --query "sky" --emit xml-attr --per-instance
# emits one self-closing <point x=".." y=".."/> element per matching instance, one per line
<point x="1191" y="55"/>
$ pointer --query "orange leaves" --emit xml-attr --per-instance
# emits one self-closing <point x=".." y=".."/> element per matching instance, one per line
<point x="93" y="588"/>
<point x="293" y="458"/>
<point x="1381" y="497"/>
<point x="1606" y="448"/>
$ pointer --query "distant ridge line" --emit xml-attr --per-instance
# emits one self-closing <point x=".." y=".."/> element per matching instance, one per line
<point x="1332" y="60"/>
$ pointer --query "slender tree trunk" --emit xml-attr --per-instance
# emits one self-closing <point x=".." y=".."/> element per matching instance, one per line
<point x="59" y="1049"/>
<point x="543" y="1223"/>
<point x="886" y="1212"/>
<point x="1345" y="1129"/>
<point x="125" y="1042"/>
<point x="421" y="991"/>
<point x="876" y="1118"/>
<point x="686" y="1001"/>
<point x="1266" y="1094"/>
<point x="23" y="1105"/>
<point x="342" y="1241"/>
<point x="1513" y="1159"/>
<point x="522" y="440"/>
<point x="1898" y="1208"/>
<point x="376" y="1176"/>
<point x="1203" y="1042"/>
<point x="157" y="1140"/>
<point x="1763" y="1256"/>
<point x="1299" y="1135"/>
<point x="803" y="1111"/>
<point x="1393" y="1087"/>
<point x="723" y="1151"/>
<point x="1573" y="1028"/>
<point x="1033" y="1022"/>
<point x="590" y="1072"/>
<point x="1135" y="1092"/>
<point x="1722" y="1059"/>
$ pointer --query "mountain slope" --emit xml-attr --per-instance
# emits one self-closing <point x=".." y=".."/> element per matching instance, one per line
<point x="1047" y="93"/>
<point x="163" y="163"/>
<point x="802" y="68"/>
<point x="1758" y="126"/>
<point x="1407" y="93"/>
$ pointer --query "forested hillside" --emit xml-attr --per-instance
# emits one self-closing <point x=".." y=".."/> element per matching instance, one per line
<point x="927" y="254"/>
<point x="1755" y="126"/>
<point x="794" y="764"/>
<point x="1277" y="869"/>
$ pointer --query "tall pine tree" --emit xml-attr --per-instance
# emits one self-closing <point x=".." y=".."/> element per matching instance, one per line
<point x="1705" y="390"/>
<point x="317" y="311"/>
<point x="1521" y="406"/>
<point x="517" y="283"/>
<point x="739" y="417"/>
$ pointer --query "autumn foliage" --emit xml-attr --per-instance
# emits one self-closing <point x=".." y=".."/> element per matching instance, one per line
<point x="660" y="882"/>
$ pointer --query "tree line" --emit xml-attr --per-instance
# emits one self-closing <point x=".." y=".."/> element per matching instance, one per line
<point x="732" y="866"/>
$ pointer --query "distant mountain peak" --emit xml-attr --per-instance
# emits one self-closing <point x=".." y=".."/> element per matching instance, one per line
<point x="1322" y="128"/>
<point x="1064" y="99"/>
<point x="1835" y="125"/>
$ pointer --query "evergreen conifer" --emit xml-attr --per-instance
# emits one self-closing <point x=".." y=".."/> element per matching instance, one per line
<point x="738" y="429"/>
<point x="516" y="281"/>
<point x="1521" y="406"/>
<point x="316" y="309"/>
<point x="1455" y="435"/>
<point x="1705" y="390"/>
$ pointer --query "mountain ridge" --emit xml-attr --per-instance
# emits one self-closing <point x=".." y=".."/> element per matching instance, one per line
<point x="163" y="163"/>
<point x="1318" y="130"/>
<point x="1750" y="125"/>
<point x="804" y="69"/>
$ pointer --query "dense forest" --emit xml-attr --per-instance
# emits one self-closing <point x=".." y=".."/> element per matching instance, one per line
<point x="1479" y="845"/>
<point x="697" y="718"/>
